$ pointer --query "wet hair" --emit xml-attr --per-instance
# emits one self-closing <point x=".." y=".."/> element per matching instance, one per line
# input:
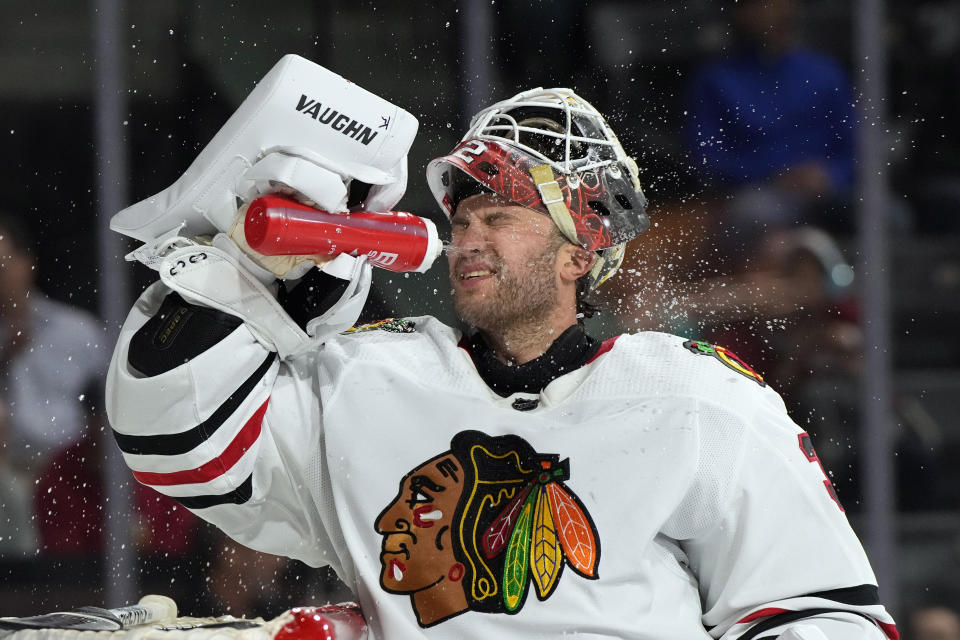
<point x="553" y="148"/>
<point x="588" y="305"/>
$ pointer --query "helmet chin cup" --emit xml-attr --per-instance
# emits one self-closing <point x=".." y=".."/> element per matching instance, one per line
<point x="551" y="151"/>
<point x="607" y="264"/>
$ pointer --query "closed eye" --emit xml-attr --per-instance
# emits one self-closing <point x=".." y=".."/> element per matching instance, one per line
<point x="499" y="218"/>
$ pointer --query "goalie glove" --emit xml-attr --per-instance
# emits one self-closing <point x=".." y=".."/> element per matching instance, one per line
<point x="265" y="268"/>
<point x="303" y="130"/>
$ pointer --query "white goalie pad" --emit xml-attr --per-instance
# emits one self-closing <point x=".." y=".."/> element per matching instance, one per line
<point x="214" y="278"/>
<point x="302" y="123"/>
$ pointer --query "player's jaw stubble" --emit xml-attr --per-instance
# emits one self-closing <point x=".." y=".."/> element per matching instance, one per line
<point x="514" y="297"/>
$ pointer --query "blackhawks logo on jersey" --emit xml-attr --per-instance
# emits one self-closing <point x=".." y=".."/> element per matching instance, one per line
<point x="477" y="527"/>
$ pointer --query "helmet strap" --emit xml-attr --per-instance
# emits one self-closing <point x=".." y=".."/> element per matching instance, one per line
<point x="553" y="200"/>
<point x="608" y="260"/>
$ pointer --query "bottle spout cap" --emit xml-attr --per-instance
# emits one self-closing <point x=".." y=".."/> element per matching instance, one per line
<point x="434" y="247"/>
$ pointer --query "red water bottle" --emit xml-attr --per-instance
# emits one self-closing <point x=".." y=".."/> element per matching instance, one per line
<point x="393" y="240"/>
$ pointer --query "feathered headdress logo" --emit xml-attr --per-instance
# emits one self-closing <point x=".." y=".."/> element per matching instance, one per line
<point x="500" y="517"/>
<point x="540" y="530"/>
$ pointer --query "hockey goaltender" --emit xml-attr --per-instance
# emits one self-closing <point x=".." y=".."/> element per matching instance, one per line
<point x="515" y="478"/>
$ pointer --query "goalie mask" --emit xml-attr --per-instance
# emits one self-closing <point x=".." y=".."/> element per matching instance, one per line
<point x="551" y="151"/>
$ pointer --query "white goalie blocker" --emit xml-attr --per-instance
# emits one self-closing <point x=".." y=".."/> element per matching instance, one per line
<point x="304" y="127"/>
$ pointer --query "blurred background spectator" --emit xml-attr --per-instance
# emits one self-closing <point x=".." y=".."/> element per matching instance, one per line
<point x="771" y="126"/>
<point x="741" y="114"/>
<point x="18" y="536"/>
<point x="51" y="354"/>
<point x="933" y="622"/>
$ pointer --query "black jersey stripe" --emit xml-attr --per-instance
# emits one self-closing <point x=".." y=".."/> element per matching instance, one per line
<point x="792" y="616"/>
<point x="238" y="496"/>
<point x="178" y="443"/>
<point x="863" y="595"/>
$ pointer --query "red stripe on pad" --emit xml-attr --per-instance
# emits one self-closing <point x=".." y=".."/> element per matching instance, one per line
<point x="763" y="613"/>
<point x="890" y="630"/>
<point x="216" y="467"/>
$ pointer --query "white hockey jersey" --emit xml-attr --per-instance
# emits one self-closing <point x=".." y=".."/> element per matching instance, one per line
<point x="660" y="492"/>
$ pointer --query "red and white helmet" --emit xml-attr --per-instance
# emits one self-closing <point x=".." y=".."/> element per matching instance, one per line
<point x="551" y="151"/>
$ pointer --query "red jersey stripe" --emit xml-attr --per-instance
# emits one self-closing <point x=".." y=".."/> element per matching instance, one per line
<point x="605" y="346"/>
<point x="762" y="613"/>
<point x="890" y="630"/>
<point x="216" y="467"/>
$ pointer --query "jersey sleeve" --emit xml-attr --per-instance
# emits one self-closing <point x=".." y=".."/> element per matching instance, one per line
<point x="233" y="432"/>
<point x="766" y="535"/>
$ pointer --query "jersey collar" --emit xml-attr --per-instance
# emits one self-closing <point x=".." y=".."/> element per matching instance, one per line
<point x="570" y="351"/>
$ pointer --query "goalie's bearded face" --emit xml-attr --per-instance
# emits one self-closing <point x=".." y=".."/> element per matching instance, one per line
<point x="503" y="263"/>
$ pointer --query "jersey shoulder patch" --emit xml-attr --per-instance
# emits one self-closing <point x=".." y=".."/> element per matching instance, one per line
<point x="727" y="357"/>
<point x="393" y="325"/>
